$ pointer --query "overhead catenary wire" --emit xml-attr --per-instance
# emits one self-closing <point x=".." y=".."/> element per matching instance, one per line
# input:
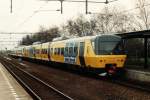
<point x="28" y="18"/>
<point x="124" y="11"/>
<point x="129" y="10"/>
<point x="36" y="11"/>
<point x="82" y="1"/>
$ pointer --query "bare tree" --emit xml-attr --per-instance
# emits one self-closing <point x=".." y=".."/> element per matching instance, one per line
<point x="113" y="21"/>
<point x="44" y="35"/>
<point x="81" y="26"/>
<point x="143" y="20"/>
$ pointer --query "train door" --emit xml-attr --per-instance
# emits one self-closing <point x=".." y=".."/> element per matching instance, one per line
<point x="81" y="53"/>
<point x="49" y="52"/>
<point x="33" y="52"/>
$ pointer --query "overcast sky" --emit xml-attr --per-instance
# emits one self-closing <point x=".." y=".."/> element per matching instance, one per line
<point x="23" y="18"/>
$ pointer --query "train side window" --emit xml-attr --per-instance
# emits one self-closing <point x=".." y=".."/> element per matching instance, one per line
<point x="70" y="51"/>
<point x="93" y="45"/>
<point x="42" y="51"/>
<point x="66" y="51"/>
<point x="62" y="51"/>
<point x="48" y="51"/>
<point x="51" y="51"/>
<point x="58" y="51"/>
<point x="55" y="51"/>
<point x="36" y="51"/>
<point x="75" y="51"/>
<point x="45" y="51"/>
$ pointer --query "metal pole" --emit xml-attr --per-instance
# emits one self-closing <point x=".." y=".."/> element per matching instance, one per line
<point x="10" y="6"/>
<point x="61" y="2"/>
<point x="106" y="2"/>
<point x="86" y="6"/>
<point x="145" y="53"/>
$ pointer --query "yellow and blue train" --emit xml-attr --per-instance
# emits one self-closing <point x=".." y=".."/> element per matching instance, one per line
<point x="101" y="53"/>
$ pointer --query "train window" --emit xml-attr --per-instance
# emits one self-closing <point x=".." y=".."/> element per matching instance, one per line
<point x="55" y="51"/>
<point x="46" y="51"/>
<point x="62" y="51"/>
<point x="75" y="51"/>
<point x="70" y="51"/>
<point x="51" y="51"/>
<point x="93" y="45"/>
<point x="42" y="51"/>
<point x="58" y="51"/>
<point x="36" y="51"/>
<point x="66" y="51"/>
<point x="106" y="44"/>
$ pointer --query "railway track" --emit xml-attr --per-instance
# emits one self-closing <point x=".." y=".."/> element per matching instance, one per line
<point x="117" y="83"/>
<point x="37" y="88"/>
<point x="132" y="84"/>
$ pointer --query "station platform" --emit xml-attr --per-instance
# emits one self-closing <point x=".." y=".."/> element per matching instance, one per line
<point x="10" y="89"/>
<point x="139" y="75"/>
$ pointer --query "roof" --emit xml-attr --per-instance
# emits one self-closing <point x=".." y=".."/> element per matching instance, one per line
<point x="137" y="34"/>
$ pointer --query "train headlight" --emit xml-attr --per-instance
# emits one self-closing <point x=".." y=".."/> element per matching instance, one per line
<point x="121" y="60"/>
<point x="101" y="60"/>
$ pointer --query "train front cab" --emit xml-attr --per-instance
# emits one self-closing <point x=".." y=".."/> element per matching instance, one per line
<point x="104" y="54"/>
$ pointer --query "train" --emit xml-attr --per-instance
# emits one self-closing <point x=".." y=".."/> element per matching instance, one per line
<point x="100" y="53"/>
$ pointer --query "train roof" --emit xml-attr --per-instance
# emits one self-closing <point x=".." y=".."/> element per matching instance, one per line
<point x="83" y="38"/>
<point x="72" y="39"/>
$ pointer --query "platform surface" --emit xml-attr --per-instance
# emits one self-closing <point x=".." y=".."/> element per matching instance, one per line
<point x="10" y="89"/>
<point x="138" y="75"/>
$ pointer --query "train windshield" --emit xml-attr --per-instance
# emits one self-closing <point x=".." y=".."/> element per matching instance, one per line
<point x="106" y="44"/>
